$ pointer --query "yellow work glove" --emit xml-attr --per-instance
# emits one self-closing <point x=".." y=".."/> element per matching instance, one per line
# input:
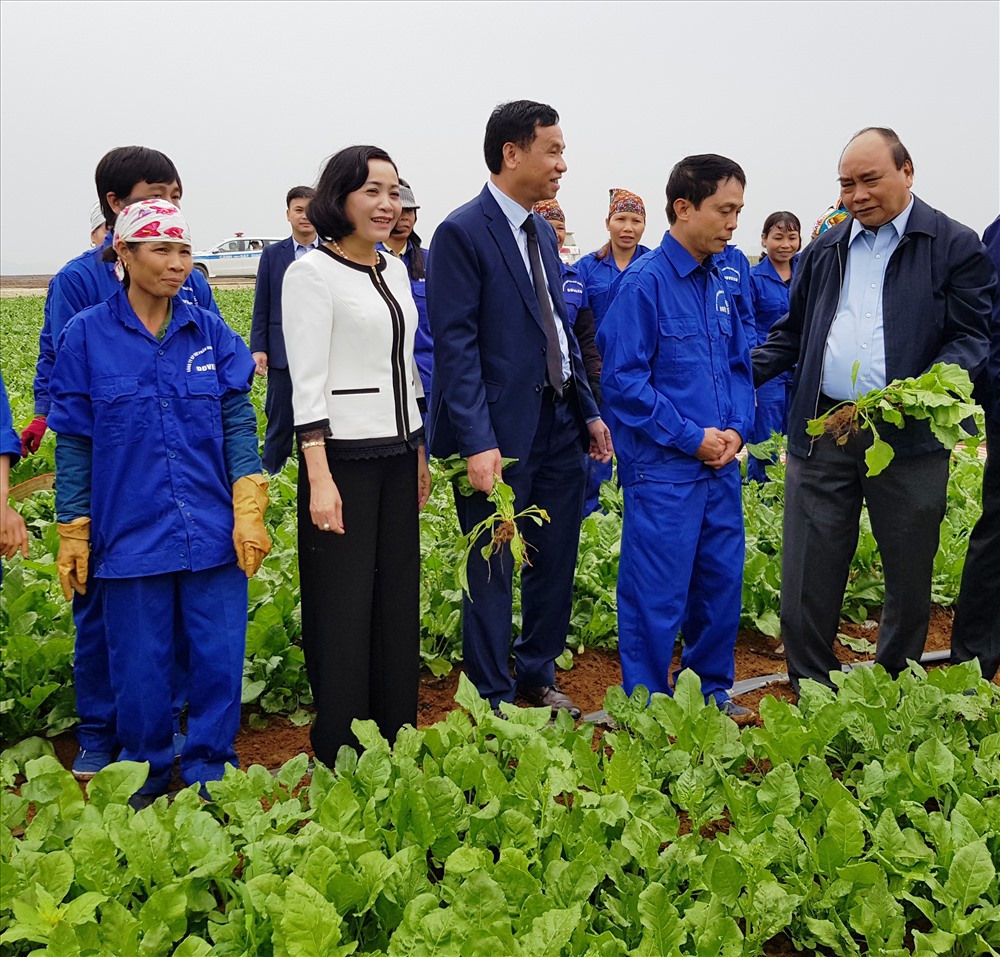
<point x="249" y="534"/>
<point x="73" y="559"/>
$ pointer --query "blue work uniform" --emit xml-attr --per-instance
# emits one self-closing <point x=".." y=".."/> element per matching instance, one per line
<point x="10" y="444"/>
<point x="574" y="292"/>
<point x="152" y="435"/>
<point x="423" y="343"/>
<point x="734" y="267"/>
<point x="770" y="303"/>
<point x="83" y="282"/>
<point x="601" y="278"/>
<point x="675" y="363"/>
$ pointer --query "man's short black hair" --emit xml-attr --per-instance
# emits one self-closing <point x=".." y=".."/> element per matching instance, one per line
<point x="900" y="154"/>
<point x="299" y="192"/>
<point x="695" y="178"/>
<point x="514" y="122"/>
<point x="121" y="168"/>
<point x="344" y="172"/>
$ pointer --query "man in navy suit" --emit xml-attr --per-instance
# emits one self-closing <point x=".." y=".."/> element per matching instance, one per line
<point x="267" y="340"/>
<point x="509" y="382"/>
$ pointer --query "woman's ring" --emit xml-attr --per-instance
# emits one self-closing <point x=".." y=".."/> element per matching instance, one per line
<point x="326" y="526"/>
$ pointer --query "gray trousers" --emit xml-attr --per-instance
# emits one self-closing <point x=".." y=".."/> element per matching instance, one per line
<point x="823" y="498"/>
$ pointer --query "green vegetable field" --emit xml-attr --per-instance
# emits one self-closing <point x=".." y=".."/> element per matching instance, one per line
<point x="862" y="823"/>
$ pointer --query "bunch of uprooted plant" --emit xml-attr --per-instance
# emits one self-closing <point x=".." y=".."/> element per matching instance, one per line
<point x="500" y="529"/>
<point x="942" y="396"/>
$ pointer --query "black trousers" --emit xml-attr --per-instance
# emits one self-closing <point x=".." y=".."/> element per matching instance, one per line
<point x="551" y="477"/>
<point x="823" y="498"/>
<point x="976" y="632"/>
<point x="280" y="420"/>
<point x="361" y="601"/>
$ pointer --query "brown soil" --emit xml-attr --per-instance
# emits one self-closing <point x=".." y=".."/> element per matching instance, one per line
<point x="587" y="682"/>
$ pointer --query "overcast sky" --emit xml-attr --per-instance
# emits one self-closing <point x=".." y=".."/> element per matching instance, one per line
<point x="249" y="98"/>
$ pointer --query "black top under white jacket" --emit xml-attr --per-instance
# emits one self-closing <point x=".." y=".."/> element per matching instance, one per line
<point x="349" y="333"/>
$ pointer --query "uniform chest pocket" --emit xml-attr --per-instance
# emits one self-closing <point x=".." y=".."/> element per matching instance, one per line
<point x="121" y="416"/>
<point x="682" y="342"/>
<point x="201" y="408"/>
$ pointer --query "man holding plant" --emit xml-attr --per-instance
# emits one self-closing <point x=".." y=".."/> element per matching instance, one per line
<point x="884" y="295"/>
<point x="509" y="382"/>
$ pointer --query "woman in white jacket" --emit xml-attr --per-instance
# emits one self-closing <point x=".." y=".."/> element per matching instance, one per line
<point x="349" y="321"/>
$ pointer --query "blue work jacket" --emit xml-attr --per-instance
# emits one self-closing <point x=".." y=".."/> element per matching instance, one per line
<point x="599" y="276"/>
<point x="161" y="497"/>
<point x="82" y="282"/>
<point x="10" y="443"/>
<point x="574" y="292"/>
<point x="734" y="267"/>
<point x="675" y="363"/>
<point x="770" y="300"/>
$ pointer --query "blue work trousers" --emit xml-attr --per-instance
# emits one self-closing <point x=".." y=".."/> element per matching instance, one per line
<point x="773" y="399"/>
<point x="95" y="698"/>
<point x="205" y="613"/>
<point x="681" y="567"/>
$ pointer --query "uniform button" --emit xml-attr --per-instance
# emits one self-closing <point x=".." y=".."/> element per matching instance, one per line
<point x="159" y="352"/>
<point x="164" y="403"/>
<point x="877" y="256"/>
<point x="874" y="286"/>
<point x="538" y="388"/>
<point x="173" y="454"/>
<point x="183" y="552"/>
<point x="184" y="565"/>
<point x="864" y="345"/>
<point x="180" y="505"/>
<point x="868" y="315"/>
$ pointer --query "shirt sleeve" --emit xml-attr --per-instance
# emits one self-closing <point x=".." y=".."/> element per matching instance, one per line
<point x="10" y="444"/>
<point x="307" y="307"/>
<point x="74" y="471"/>
<point x="203" y="293"/>
<point x="627" y="340"/>
<point x="239" y="436"/>
<point x="67" y="295"/>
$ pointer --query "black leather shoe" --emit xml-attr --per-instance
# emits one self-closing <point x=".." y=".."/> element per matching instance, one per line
<point x="550" y="697"/>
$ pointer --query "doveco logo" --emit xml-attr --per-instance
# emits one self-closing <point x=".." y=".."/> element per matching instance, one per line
<point x="206" y="367"/>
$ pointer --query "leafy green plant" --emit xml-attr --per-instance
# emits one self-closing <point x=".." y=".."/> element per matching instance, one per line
<point x="942" y="396"/>
<point x="501" y="528"/>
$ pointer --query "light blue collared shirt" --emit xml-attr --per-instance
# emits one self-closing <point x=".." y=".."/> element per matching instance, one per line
<point x="857" y="331"/>
<point x="516" y="215"/>
<point x="301" y="250"/>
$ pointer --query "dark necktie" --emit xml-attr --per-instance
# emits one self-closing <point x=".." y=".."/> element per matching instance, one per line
<point x="553" y="354"/>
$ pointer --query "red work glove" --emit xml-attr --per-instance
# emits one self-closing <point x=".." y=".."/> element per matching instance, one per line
<point x="31" y="437"/>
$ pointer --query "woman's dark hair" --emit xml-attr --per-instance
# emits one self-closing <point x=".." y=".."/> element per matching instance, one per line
<point x="344" y="173"/>
<point x="514" y="122"/>
<point x="695" y="178"/>
<point x="110" y="255"/>
<point x="418" y="262"/>
<point x="782" y="218"/>
<point x="121" y="168"/>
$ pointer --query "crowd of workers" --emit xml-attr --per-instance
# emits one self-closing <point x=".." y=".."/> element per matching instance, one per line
<point x="379" y="351"/>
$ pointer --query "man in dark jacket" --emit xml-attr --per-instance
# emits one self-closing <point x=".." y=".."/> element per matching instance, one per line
<point x="894" y="289"/>
<point x="267" y="336"/>
<point x="976" y="633"/>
